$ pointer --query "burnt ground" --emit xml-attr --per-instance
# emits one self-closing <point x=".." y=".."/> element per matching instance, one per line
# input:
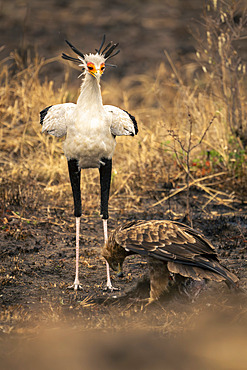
<point x="46" y="326"/>
<point x="38" y="255"/>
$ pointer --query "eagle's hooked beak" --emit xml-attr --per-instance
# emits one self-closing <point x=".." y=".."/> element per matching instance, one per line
<point x="120" y="270"/>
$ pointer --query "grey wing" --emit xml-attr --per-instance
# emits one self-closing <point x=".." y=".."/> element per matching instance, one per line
<point x="122" y="122"/>
<point x="55" y="118"/>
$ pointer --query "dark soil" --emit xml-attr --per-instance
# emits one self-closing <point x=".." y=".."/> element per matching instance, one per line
<point x="45" y="325"/>
<point x="38" y="252"/>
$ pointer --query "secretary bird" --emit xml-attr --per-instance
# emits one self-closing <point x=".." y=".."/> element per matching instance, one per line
<point x="90" y="128"/>
<point x="170" y="248"/>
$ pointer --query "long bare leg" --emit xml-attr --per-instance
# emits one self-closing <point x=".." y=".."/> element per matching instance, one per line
<point x="108" y="277"/>
<point x="105" y="182"/>
<point x="75" y="177"/>
<point x="76" y="285"/>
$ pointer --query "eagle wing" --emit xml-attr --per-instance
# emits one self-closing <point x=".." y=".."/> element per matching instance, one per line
<point x="185" y="250"/>
<point x="122" y="122"/>
<point x="55" y="118"/>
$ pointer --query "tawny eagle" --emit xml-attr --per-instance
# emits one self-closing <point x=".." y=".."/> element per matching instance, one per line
<point x="170" y="248"/>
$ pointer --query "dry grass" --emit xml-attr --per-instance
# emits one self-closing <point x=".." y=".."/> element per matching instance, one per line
<point x="140" y="163"/>
<point x="169" y="99"/>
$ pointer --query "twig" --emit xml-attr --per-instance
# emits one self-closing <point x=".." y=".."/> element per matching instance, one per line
<point x="204" y="134"/>
<point x="195" y="182"/>
<point x="173" y="67"/>
<point x="122" y="185"/>
<point x="15" y="215"/>
<point x="187" y="152"/>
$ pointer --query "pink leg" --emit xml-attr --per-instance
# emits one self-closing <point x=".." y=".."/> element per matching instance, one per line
<point x="76" y="285"/>
<point x="109" y="285"/>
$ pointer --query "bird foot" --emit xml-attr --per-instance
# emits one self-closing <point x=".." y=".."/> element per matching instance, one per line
<point x="144" y="302"/>
<point x="110" y="288"/>
<point x="149" y="301"/>
<point x="75" y="286"/>
<point x="193" y="288"/>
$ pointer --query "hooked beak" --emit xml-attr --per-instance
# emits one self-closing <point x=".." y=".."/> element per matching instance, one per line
<point x="97" y="73"/>
<point x="120" y="270"/>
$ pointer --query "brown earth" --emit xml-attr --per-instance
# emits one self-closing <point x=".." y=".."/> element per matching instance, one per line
<point x="38" y="252"/>
<point x="100" y="328"/>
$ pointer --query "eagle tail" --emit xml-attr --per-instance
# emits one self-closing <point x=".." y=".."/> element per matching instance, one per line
<point x="217" y="273"/>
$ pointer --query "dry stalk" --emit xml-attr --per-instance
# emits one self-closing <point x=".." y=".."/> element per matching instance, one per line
<point x="222" y="28"/>
<point x="185" y="161"/>
<point x="194" y="182"/>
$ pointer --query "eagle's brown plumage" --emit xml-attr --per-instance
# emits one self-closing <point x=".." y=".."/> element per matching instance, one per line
<point x="170" y="247"/>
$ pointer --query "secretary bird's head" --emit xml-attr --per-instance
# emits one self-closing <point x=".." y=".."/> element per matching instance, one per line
<point x="93" y="64"/>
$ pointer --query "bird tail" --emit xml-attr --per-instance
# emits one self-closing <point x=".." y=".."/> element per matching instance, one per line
<point x="216" y="273"/>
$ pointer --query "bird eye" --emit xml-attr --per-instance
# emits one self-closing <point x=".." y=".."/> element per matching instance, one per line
<point x="90" y="66"/>
<point x="102" y="67"/>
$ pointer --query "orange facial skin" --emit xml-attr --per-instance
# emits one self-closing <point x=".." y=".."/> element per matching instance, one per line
<point x="92" y="69"/>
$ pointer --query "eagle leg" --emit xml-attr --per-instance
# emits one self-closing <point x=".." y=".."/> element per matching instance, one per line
<point x="159" y="278"/>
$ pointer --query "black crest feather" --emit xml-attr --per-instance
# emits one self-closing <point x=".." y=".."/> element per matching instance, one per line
<point x="68" y="57"/>
<point x="75" y="50"/>
<point x="106" y="52"/>
<point x="109" y="51"/>
<point x="101" y="45"/>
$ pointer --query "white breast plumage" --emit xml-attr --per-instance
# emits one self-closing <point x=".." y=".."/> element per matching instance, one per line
<point x="89" y="136"/>
<point x="89" y="139"/>
<point x="57" y="118"/>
